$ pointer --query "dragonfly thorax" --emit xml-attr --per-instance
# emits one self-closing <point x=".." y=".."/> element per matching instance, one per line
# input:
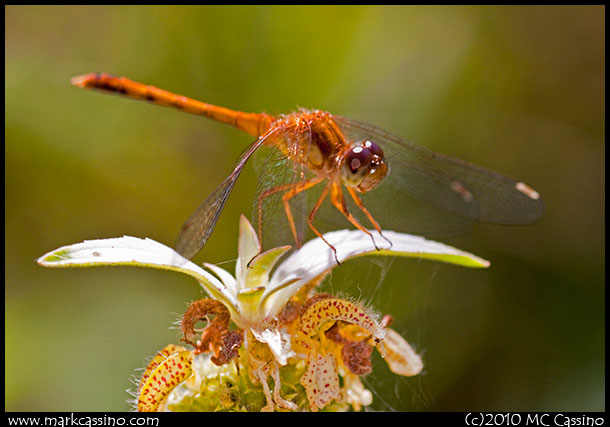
<point x="311" y="138"/>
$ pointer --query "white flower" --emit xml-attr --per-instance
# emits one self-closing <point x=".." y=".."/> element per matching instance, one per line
<point x="256" y="296"/>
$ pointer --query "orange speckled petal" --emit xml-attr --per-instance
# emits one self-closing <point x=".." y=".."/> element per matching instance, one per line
<point x="166" y="376"/>
<point x="321" y="380"/>
<point x="338" y="309"/>
<point x="159" y="358"/>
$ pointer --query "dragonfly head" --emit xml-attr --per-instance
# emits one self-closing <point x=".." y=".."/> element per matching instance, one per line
<point x="363" y="166"/>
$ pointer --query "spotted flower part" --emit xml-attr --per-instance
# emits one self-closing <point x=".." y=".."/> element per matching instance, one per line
<point x="264" y="340"/>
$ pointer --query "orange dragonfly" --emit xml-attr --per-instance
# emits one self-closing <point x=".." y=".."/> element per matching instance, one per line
<point x="416" y="190"/>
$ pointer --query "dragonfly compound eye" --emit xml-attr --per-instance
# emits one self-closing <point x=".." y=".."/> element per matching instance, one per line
<point x="373" y="148"/>
<point x="363" y="166"/>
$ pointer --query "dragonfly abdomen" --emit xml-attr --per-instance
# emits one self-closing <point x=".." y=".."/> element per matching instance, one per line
<point x="255" y="124"/>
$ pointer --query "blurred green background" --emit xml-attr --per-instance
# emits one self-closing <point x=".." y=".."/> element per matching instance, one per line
<point x="516" y="89"/>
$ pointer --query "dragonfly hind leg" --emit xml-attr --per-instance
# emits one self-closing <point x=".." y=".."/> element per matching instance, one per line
<point x="293" y="190"/>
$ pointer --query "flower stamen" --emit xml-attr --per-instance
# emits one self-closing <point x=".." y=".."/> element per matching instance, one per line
<point x="216" y="336"/>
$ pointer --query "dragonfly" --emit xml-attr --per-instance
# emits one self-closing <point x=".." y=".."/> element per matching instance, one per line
<point x="416" y="189"/>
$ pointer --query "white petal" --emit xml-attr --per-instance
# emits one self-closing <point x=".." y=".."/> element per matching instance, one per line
<point x="399" y="355"/>
<point x="247" y="248"/>
<point x="136" y="252"/>
<point x="224" y="276"/>
<point x="316" y="258"/>
<point x="259" y="268"/>
<point x="278" y="342"/>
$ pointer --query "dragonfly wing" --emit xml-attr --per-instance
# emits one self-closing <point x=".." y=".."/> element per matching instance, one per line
<point x="458" y="187"/>
<point x="277" y="173"/>
<point x="199" y="226"/>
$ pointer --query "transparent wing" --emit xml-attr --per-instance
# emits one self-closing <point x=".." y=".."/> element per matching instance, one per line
<point x="277" y="174"/>
<point x="430" y="193"/>
<point x="199" y="226"/>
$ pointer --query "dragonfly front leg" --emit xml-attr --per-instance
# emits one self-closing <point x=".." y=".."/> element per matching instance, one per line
<point x="359" y="203"/>
<point x="312" y="215"/>
<point x="337" y="199"/>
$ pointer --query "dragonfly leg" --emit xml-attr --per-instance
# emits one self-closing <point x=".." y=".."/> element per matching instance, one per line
<point x="298" y="188"/>
<point x="294" y="189"/>
<point x="337" y="199"/>
<point x="359" y="203"/>
<point x="312" y="215"/>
